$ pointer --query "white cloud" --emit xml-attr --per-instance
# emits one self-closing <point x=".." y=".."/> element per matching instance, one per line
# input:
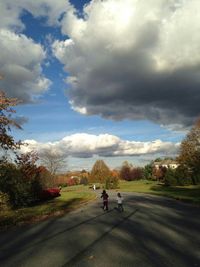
<point x="87" y="145"/>
<point x="21" y="58"/>
<point x="11" y="11"/>
<point x="134" y="59"/>
<point x="179" y="40"/>
<point x="9" y="14"/>
<point x="20" y="66"/>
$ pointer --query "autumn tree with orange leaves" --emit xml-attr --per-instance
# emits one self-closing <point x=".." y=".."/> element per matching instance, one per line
<point x="6" y="122"/>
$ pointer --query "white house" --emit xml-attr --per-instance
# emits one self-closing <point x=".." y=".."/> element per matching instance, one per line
<point x="172" y="164"/>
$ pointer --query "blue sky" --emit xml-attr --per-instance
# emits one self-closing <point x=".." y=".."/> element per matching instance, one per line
<point x="96" y="81"/>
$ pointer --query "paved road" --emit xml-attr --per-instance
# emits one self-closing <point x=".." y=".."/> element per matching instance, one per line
<point x="152" y="231"/>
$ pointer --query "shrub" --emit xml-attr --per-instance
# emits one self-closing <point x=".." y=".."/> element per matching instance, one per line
<point x="4" y="201"/>
<point x="196" y="178"/>
<point x="84" y="181"/>
<point x="111" y="182"/>
<point x="170" y="177"/>
<point x="72" y="181"/>
<point x="21" y="191"/>
<point x="180" y="176"/>
<point x="183" y="176"/>
<point x="46" y="178"/>
<point x="108" y="183"/>
<point x="60" y="185"/>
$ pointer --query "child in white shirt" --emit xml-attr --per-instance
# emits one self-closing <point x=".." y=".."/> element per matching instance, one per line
<point x="119" y="202"/>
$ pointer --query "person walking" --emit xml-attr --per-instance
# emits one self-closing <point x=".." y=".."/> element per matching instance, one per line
<point x="105" y="197"/>
<point x="120" y="202"/>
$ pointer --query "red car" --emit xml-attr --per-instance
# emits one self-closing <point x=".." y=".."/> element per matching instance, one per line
<point x="50" y="193"/>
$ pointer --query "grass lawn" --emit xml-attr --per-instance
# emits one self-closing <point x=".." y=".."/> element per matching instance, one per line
<point x="186" y="193"/>
<point x="71" y="198"/>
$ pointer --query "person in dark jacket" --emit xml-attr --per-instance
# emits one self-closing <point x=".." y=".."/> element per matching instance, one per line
<point x="105" y="197"/>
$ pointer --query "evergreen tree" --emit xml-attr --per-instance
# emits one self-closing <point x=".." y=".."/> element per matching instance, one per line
<point x="148" y="171"/>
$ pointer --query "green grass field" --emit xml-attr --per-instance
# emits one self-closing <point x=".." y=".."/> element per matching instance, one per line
<point x="71" y="198"/>
<point x="185" y="193"/>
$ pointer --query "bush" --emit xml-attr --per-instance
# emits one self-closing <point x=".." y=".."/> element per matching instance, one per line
<point x="72" y="181"/>
<point x="196" y="178"/>
<point x="21" y="191"/>
<point x="180" y="176"/>
<point x="170" y="177"/>
<point x="4" y="201"/>
<point x="47" y="180"/>
<point x="111" y="182"/>
<point x="62" y="185"/>
<point x="183" y="176"/>
<point x="84" y="181"/>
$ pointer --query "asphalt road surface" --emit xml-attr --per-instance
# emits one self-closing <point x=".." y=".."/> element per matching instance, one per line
<point x="152" y="231"/>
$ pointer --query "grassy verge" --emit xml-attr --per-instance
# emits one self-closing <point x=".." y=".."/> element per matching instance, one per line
<point x="184" y="193"/>
<point x="71" y="198"/>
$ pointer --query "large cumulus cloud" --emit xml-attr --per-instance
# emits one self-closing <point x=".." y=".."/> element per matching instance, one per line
<point x="21" y="57"/>
<point x="20" y="66"/>
<point x="134" y="59"/>
<point x="84" y="145"/>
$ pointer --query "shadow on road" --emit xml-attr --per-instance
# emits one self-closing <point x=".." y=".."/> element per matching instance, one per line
<point x="153" y="231"/>
<point x="74" y="259"/>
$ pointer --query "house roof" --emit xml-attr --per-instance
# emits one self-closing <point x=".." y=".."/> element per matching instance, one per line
<point x="165" y="162"/>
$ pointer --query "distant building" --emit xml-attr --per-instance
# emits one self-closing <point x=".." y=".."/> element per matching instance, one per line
<point x="172" y="164"/>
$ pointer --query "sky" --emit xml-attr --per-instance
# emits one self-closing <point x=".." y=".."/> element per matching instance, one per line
<point x="102" y="79"/>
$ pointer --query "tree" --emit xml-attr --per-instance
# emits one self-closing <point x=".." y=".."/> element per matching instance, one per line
<point x="148" y="171"/>
<point x="53" y="161"/>
<point x="21" y="181"/>
<point x="157" y="160"/>
<point x="130" y="173"/>
<point x="6" y="140"/>
<point x="170" y="177"/>
<point x="111" y="182"/>
<point x="189" y="155"/>
<point x="125" y="171"/>
<point x="136" y="174"/>
<point x="159" y="173"/>
<point x="27" y="164"/>
<point x="84" y="180"/>
<point x="100" y="172"/>
<point x="45" y="177"/>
